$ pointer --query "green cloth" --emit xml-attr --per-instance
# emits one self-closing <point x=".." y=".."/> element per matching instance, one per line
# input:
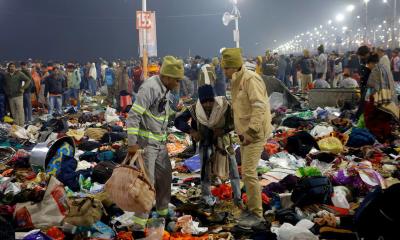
<point x="74" y="79"/>
<point x="232" y="58"/>
<point x="13" y="84"/>
<point x="361" y="122"/>
<point x="172" y="67"/>
<point x="308" y="172"/>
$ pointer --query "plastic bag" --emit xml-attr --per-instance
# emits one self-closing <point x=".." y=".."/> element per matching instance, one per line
<point x="276" y="100"/>
<point x="193" y="163"/>
<point x="188" y="226"/>
<point x="289" y="232"/>
<point x="155" y="229"/>
<point x="321" y="131"/>
<point x="110" y="115"/>
<point x="19" y="132"/>
<point x="331" y="144"/>
<point x="49" y="212"/>
<point x="339" y="199"/>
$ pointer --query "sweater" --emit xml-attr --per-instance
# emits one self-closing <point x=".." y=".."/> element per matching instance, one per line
<point x="55" y="85"/>
<point x="13" y="84"/>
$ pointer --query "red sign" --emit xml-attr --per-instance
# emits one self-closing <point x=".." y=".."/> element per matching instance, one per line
<point x="143" y="20"/>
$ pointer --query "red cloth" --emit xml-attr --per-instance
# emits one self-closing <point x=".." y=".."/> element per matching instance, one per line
<point x="377" y="122"/>
<point x="55" y="233"/>
<point x="223" y="192"/>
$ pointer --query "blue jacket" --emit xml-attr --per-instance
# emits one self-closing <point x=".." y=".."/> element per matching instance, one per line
<point x="110" y="76"/>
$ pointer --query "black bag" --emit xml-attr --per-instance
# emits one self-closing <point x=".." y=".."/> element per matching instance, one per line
<point x="103" y="171"/>
<point x="121" y="154"/>
<point x="301" y="144"/>
<point x="311" y="190"/>
<point x="6" y="229"/>
<point x="379" y="214"/>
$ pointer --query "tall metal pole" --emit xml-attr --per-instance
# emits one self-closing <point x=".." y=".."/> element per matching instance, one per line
<point x="366" y="22"/>
<point x="237" y="34"/>
<point x="394" y="41"/>
<point x="144" y="50"/>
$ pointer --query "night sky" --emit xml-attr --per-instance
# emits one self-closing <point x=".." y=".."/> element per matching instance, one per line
<point x="87" y="29"/>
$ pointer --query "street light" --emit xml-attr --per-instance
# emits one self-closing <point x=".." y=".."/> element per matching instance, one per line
<point x="339" y="17"/>
<point x="350" y="8"/>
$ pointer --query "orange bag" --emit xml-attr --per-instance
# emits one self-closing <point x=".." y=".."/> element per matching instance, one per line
<point x="130" y="188"/>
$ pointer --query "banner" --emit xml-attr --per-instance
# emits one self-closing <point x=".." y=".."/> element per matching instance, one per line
<point x="148" y="25"/>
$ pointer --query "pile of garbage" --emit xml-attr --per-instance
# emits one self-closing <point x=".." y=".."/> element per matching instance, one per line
<point x="322" y="177"/>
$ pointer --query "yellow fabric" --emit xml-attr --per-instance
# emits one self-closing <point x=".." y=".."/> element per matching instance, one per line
<point x="172" y="67"/>
<point x="153" y="68"/>
<point x="232" y="58"/>
<point x="252" y="115"/>
<point x="259" y="69"/>
<point x="95" y="133"/>
<point x="250" y="156"/>
<point x="7" y="119"/>
<point x="77" y="134"/>
<point x="331" y="144"/>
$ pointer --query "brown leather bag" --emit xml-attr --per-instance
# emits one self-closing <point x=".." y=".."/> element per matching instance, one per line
<point x="130" y="188"/>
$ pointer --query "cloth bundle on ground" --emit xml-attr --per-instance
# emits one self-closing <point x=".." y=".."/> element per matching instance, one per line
<point x="68" y="176"/>
<point x="56" y="125"/>
<point x="103" y="171"/>
<point x="83" y="211"/>
<point x="286" y="184"/>
<point x="113" y="137"/>
<point x="88" y="117"/>
<point x="310" y="190"/>
<point x="95" y="133"/>
<point x="295" y="122"/>
<point x="301" y="144"/>
<point x="360" y="137"/>
<point x="89" y="145"/>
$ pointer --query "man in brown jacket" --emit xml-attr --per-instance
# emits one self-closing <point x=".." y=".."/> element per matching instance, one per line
<point x="252" y="118"/>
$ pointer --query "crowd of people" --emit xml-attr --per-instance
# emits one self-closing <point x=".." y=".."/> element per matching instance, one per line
<point x="322" y="70"/>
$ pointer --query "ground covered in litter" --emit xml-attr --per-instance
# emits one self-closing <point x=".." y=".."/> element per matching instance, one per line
<point x="322" y="177"/>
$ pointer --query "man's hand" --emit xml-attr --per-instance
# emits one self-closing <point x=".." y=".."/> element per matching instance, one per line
<point x="245" y="139"/>
<point x="133" y="149"/>
<point x="195" y="135"/>
<point x="219" y="132"/>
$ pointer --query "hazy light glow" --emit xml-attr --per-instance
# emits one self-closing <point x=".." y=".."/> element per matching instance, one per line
<point x="339" y="17"/>
<point x="350" y="8"/>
